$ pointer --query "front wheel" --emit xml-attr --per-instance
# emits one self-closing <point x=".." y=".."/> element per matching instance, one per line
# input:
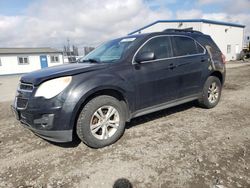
<point x="101" y="121"/>
<point x="211" y="92"/>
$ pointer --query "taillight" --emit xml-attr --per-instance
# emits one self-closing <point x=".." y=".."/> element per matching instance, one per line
<point x="223" y="58"/>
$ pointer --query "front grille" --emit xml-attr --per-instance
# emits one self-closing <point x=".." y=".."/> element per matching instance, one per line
<point x="24" y="91"/>
<point x="21" y="103"/>
<point x="26" y="87"/>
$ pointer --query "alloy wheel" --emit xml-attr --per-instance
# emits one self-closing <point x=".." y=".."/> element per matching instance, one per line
<point x="104" y="122"/>
<point x="213" y="92"/>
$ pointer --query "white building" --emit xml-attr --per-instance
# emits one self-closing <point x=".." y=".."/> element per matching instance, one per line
<point x="23" y="60"/>
<point x="228" y="36"/>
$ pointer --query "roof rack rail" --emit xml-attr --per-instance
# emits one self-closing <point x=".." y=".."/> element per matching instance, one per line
<point x="188" y="30"/>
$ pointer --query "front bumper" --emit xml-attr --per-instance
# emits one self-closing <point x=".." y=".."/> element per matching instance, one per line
<point x="54" y="136"/>
<point x="45" y="122"/>
<point x="48" y="118"/>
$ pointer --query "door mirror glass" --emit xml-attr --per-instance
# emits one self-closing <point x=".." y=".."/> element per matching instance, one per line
<point x="144" y="56"/>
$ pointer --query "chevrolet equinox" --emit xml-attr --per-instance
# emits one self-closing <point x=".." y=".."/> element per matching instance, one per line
<point x="121" y="79"/>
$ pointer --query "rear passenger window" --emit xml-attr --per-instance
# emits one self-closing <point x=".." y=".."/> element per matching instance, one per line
<point x="161" y="46"/>
<point x="184" y="46"/>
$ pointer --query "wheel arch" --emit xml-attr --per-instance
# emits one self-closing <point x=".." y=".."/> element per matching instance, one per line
<point x="118" y="93"/>
<point x="219" y="75"/>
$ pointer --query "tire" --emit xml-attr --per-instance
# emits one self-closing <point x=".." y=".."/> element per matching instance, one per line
<point x="211" y="93"/>
<point x="95" y="128"/>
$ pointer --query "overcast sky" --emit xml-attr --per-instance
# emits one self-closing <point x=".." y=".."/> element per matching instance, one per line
<point x="27" y="23"/>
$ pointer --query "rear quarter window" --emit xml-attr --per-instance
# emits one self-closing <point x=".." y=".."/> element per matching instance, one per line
<point x="207" y="42"/>
<point x="200" y="49"/>
<point x="211" y="47"/>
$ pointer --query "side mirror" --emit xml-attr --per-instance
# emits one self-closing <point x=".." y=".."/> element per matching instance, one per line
<point x="145" y="56"/>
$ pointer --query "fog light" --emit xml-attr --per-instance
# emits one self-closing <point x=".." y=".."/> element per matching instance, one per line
<point x="45" y="122"/>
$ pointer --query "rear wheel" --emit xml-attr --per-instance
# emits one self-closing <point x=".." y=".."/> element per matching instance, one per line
<point x="101" y="121"/>
<point x="211" y="93"/>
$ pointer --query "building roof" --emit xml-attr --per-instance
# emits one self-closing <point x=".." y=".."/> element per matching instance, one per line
<point x="44" y="50"/>
<point x="190" y="20"/>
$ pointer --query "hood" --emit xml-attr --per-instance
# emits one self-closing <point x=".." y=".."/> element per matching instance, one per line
<point x="37" y="77"/>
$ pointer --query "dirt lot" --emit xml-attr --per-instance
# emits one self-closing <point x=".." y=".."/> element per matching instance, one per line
<point x="184" y="146"/>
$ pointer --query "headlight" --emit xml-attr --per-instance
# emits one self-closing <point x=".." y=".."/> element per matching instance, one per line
<point x="53" y="87"/>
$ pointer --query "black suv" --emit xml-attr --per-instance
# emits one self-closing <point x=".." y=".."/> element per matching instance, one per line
<point x="121" y="79"/>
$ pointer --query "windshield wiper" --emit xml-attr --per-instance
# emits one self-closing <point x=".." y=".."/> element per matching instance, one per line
<point x="91" y="60"/>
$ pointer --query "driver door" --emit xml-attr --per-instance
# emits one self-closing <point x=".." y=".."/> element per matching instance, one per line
<point x="156" y="80"/>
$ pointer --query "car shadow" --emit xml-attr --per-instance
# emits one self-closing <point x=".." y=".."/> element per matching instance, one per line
<point x="159" y="114"/>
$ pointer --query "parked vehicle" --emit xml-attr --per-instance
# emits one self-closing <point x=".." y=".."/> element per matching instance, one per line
<point x="121" y="79"/>
<point x="245" y="53"/>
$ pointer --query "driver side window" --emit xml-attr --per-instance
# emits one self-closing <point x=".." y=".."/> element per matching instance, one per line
<point x="160" y="46"/>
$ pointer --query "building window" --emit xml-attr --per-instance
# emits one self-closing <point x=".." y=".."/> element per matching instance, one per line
<point x="23" y="60"/>
<point x="229" y="49"/>
<point x="54" y="59"/>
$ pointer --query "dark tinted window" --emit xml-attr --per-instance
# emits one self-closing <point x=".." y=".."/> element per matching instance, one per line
<point x="207" y="42"/>
<point x="183" y="46"/>
<point x="161" y="46"/>
<point x="211" y="47"/>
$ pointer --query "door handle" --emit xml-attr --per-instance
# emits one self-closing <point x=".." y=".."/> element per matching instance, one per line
<point x="171" y="66"/>
<point x="203" y="60"/>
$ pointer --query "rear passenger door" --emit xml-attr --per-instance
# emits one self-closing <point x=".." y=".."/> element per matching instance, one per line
<point x="190" y="62"/>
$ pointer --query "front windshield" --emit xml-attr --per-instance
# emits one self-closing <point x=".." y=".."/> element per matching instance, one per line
<point x="109" y="51"/>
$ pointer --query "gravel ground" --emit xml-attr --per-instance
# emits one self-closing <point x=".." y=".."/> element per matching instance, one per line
<point x="184" y="146"/>
<point x="8" y="86"/>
